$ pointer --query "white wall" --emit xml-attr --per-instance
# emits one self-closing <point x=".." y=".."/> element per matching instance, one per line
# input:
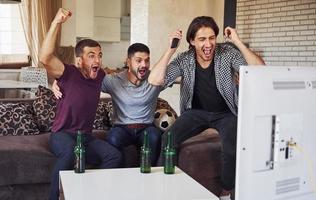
<point x="114" y="54"/>
<point x="172" y="96"/>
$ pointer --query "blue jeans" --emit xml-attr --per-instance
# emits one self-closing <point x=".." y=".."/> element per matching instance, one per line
<point x="98" y="152"/>
<point x="193" y="122"/>
<point x="122" y="135"/>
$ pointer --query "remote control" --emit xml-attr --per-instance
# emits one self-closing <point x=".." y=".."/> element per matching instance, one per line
<point x="174" y="42"/>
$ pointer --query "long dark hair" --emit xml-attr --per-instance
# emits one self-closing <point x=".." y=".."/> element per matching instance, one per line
<point x="199" y="22"/>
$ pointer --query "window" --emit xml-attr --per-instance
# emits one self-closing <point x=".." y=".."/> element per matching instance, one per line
<point x="13" y="46"/>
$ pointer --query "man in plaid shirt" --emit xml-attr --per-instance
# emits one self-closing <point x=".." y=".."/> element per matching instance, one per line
<point x="208" y="91"/>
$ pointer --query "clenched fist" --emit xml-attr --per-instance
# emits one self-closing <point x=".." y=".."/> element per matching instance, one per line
<point x="230" y="34"/>
<point x="62" y="16"/>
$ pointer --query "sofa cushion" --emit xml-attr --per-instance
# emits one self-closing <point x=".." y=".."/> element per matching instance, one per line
<point x="44" y="106"/>
<point x="25" y="159"/>
<point x="17" y="119"/>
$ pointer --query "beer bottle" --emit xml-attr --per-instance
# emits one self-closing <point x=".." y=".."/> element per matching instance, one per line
<point x="169" y="155"/>
<point x="145" y="155"/>
<point x="79" y="154"/>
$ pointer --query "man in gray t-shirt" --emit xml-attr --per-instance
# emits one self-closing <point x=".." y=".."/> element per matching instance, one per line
<point x="134" y="102"/>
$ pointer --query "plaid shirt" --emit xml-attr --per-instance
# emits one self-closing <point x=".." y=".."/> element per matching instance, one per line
<point x="227" y="59"/>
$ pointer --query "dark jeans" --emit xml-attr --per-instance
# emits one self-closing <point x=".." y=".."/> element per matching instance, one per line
<point x="98" y="152"/>
<point x="123" y="135"/>
<point x="193" y="122"/>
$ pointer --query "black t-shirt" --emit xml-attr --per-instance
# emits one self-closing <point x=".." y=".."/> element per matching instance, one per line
<point x="206" y="95"/>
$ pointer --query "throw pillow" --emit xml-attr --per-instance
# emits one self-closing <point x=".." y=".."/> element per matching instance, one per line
<point x="109" y="109"/>
<point x="44" y="107"/>
<point x="17" y="119"/>
<point x="101" y="121"/>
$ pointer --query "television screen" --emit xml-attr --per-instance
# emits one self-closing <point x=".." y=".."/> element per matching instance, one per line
<point x="276" y="139"/>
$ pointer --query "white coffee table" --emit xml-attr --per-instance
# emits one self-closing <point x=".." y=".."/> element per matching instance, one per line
<point x="130" y="184"/>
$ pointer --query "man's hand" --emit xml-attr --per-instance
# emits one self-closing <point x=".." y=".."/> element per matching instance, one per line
<point x="158" y="71"/>
<point x="62" y="15"/>
<point x="175" y="35"/>
<point x="230" y="34"/>
<point x="56" y="90"/>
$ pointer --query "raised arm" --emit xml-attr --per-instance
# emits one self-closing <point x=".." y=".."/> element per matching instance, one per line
<point x="250" y="57"/>
<point x="53" y="65"/>
<point x="158" y="71"/>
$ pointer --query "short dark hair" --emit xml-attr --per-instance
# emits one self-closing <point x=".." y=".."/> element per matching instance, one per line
<point x="137" y="47"/>
<point x="85" y="43"/>
<point x="199" y="22"/>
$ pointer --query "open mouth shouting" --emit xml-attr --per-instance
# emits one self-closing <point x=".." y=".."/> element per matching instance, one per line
<point x="142" y="72"/>
<point x="94" y="71"/>
<point x="207" y="53"/>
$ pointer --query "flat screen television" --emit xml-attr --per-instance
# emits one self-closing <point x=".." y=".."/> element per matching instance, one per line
<point x="276" y="137"/>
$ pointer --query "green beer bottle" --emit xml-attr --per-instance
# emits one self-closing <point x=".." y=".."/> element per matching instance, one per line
<point x="169" y="155"/>
<point x="79" y="154"/>
<point x="145" y="156"/>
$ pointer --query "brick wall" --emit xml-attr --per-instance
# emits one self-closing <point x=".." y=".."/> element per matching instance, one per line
<point x="283" y="32"/>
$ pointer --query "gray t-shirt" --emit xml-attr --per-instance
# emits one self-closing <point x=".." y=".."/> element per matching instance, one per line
<point x="131" y="103"/>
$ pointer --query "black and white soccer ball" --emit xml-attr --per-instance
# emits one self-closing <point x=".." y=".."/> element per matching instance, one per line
<point x="164" y="118"/>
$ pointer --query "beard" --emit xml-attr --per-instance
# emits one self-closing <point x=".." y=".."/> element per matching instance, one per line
<point x="140" y="73"/>
<point x="90" y="72"/>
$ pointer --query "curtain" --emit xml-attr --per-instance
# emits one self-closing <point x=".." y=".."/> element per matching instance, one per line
<point x="37" y="16"/>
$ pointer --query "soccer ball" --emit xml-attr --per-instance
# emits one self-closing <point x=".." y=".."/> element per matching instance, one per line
<point x="164" y="118"/>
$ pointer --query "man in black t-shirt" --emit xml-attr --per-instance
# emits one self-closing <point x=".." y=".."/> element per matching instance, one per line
<point x="208" y="96"/>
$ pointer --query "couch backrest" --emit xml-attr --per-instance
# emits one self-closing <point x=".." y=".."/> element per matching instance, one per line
<point x="33" y="116"/>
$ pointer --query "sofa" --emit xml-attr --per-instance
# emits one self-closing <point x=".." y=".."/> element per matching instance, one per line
<point x="26" y="161"/>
